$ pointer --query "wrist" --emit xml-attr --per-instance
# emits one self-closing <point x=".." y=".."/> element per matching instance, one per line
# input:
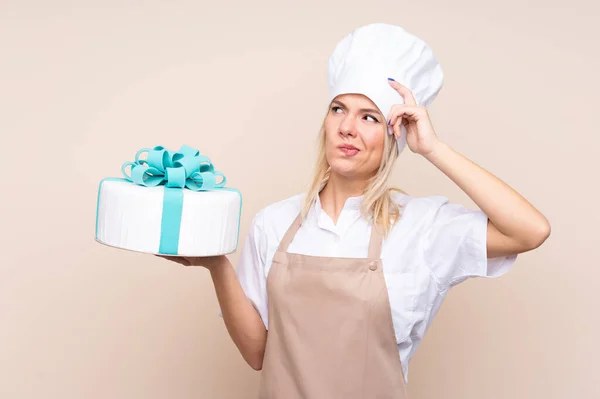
<point x="436" y="152"/>
<point x="216" y="264"/>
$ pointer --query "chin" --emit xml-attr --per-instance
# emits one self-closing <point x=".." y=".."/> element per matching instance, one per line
<point x="344" y="168"/>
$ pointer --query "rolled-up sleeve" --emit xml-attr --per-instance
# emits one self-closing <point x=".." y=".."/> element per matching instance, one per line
<point x="250" y="267"/>
<point x="455" y="244"/>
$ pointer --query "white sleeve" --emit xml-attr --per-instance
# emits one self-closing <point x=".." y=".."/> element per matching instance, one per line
<point x="455" y="244"/>
<point x="250" y="268"/>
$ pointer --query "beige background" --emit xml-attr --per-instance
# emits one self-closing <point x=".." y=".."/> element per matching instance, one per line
<point x="84" y="85"/>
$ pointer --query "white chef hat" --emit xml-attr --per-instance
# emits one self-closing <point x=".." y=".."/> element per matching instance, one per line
<point x="363" y="61"/>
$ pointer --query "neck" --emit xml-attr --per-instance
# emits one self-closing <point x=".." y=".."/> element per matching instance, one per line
<point x="335" y="193"/>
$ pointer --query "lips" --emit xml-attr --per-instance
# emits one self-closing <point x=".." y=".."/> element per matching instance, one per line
<point x="348" y="149"/>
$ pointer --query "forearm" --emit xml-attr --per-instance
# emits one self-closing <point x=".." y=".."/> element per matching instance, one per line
<point x="512" y="214"/>
<point x="241" y="318"/>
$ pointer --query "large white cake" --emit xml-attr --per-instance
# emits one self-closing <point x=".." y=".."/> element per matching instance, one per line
<point x="147" y="219"/>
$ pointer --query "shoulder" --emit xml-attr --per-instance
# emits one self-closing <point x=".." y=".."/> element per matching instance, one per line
<point x="418" y="211"/>
<point x="281" y="213"/>
<point x="282" y="208"/>
<point x="419" y="204"/>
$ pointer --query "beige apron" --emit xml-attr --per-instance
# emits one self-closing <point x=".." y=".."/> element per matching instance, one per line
<point x="330" y="328"/>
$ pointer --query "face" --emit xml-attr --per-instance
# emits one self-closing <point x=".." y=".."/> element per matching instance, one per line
<point x="354" y="136"/>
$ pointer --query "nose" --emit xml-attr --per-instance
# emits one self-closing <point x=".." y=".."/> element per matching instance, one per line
<point x="347" y="127"/>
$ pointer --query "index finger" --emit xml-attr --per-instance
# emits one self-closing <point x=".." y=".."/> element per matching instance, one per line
<point x="404" y="91"/>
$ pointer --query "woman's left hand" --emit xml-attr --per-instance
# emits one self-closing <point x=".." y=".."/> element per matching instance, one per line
<point x="420" y="136"/>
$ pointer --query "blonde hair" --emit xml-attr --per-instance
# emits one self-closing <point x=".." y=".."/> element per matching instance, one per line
<point x="377" y="204"/>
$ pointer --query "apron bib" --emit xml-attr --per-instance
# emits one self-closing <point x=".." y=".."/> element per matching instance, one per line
<point x="330" y="327"/>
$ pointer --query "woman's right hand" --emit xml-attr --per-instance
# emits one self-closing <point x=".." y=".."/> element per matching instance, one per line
<point x="209" y="262"/>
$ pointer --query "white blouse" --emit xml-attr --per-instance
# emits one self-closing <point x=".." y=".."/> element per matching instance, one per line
<point x="435" y="245"/>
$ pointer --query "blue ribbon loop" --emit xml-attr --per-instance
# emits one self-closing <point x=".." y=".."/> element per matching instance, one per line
<point x="186" y="168"/>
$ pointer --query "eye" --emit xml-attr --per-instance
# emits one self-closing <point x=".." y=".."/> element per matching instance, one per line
<point x="335" y="108"/>
<point x="372" y="117"/>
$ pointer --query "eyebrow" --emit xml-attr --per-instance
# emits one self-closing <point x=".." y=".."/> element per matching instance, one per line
<point x="361" y="110"/>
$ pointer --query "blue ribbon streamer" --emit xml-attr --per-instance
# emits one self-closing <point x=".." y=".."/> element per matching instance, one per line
<point x="186" y="168"/>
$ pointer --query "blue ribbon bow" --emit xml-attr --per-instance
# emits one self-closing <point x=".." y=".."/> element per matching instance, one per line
<point x="186" y="168"/>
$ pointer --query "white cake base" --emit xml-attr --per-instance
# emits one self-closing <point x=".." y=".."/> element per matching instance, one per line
<point x="128" y="216"/>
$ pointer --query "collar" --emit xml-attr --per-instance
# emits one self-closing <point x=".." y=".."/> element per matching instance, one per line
<point x="352" y="203"/>
<point x="350" y="213"/>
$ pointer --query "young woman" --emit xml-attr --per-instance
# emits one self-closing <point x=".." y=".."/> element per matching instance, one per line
<point x="335" y="287"/>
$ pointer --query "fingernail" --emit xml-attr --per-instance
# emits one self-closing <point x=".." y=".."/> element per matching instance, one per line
<point x="389" y="120"/>
<point x="390" y="131"/>
<point x="391" y="79"/>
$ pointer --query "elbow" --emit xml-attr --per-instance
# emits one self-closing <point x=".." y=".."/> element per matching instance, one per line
<point x="256" y="365"/>
<point x="256" y="361"/>
<point x="255" y="354"/>
<point x="542" y="234"/>
<point x="252" y="346"/>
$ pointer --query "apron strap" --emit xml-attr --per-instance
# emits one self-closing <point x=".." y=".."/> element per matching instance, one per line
<point x="290" y="233"/>
<point x="375" y="241"/>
